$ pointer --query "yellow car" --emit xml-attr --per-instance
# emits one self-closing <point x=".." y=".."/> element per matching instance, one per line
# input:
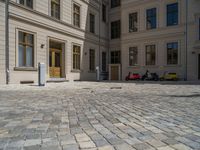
<point x="169" y="76"/>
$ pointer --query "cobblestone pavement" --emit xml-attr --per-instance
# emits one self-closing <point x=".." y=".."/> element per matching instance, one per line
<point x="100" y="116"/>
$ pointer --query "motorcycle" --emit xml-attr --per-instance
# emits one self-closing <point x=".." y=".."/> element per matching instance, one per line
<point x="150" y="76"/>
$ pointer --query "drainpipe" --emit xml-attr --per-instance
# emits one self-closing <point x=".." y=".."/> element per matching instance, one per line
<point x="186" y="40"/>
<point x="100" y="5"/>
<point x="7" y="41"/>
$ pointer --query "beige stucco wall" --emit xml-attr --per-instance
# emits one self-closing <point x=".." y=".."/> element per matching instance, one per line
<point x="38" y="22"/>
<point x="2" y="43"/>
<point x="160" y="37"/>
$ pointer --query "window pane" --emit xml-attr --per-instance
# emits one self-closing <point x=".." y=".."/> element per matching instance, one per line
<point x="29" y="57"/>
<point x="29" y="39"/>
<point x="29" y="3"/>
<point x="172" y="14"/>
<point x="133" y="56"/>
<point x="21" y="56"/>
<point x="172" y="53"/>
<point x="21" y="2"/>
<point x="150" y="55"/>
<point x="151" y="18"/>
<point x="133" y="20"/>
<point x="21" y="37"/>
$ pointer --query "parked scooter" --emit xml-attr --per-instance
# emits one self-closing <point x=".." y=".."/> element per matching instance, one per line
<point x="134" y="76"/>
<point x="150" y="76"/>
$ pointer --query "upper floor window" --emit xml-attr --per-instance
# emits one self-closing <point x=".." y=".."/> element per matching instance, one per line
<point x="115" y="29"/>
<point x="92" y="23"/>
<point x="133" y="56"/>
<point x="151" y="18"/>
<point x="104" y="13"/>
<point x="25" y="49"/>
<point x="150" y="55"/>
<point x="115" y="3"/>
<point x="172" y="14"/>
<point x="27" y="3"/>
<point x="76" y="15"/>
<point x="55" y="9"/>
<point x="92" y="60"/>
<point x="133" y="22"/>
<point x="76" y="57"/>
<point x="172" y="53"/>
<point x="115" y="57"/>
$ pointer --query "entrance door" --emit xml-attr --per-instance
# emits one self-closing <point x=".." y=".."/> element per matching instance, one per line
<point x="55" y="63"/>
<point x="199" y="65"/>
<point x="114" y="72"/>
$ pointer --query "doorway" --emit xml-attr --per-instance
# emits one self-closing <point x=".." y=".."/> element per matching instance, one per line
<point x="114" y="73"/>
<point x="55" y="59"/>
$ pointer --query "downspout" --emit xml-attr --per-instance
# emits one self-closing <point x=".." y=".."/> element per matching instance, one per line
<point x="100" y="5"/>
<point x="7" y="41"/>
<point x="186" y="40"/>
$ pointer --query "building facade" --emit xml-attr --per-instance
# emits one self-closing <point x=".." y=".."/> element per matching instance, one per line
<point x="68" y="36"/>
<point x="156" y="35"/>
<point x="73" y="37"/>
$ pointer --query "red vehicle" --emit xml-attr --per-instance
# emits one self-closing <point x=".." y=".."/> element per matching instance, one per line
<point x="134" y="76"/>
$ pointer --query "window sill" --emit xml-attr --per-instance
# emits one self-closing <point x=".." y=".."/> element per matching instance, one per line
<point x="91" y="71"/>
<point x="25" y="69"/>
<point x="173" y="65"/>
<point x="76" y="71"/>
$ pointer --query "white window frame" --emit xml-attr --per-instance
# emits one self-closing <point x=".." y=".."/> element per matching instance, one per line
<point x="34" y="5"/>
<point x="34" y="49"/>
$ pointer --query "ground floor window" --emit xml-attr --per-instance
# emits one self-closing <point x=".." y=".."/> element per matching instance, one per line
<point x="150" y="55"/>
<point x="104" y="61"/>
<point x="25" y="49"/>
<point x="92" y="60"/>
<point x="133" y="56"/>
<point x="172" y="53"/>
<point x="115" y="57"/>
<point x="76" y="57"/>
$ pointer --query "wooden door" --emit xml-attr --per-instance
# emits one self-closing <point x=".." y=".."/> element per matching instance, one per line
<point x="55" y="63"/>
<point x="114" y="72"/>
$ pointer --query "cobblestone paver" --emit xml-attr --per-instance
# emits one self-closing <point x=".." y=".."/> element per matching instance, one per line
<point x="100" y="116"/>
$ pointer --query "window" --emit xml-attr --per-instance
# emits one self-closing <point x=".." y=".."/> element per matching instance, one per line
<point x="115" y="57"/>
<point x="172" y="53"/>
<point x="25" y="49"/>
<point x="92" y="60"/>
<point x="104" y="61"/>
<point x="27" y="3"/>
<point x="92" y="23"/>
<point x="133" y="22"/>
<point x="133" y="56"/>
<point x="104" y="12"/>
<point x="151" y="18"/>
<point x="55" y="9"/>
<point x="199" y="28"/>
<point x="76" y="15"/>
<point x="150" y="55"/>
<point x="115" y="3"/>
<point x="172" y="14"/>
<point x="76" y="57"/>
<point x="115" y="29"/>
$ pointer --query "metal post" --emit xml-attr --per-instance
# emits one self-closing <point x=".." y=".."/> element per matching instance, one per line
<point x="7" y="41"/>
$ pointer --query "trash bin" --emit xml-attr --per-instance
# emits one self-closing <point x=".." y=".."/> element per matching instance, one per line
<point x="41" y="74"/>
